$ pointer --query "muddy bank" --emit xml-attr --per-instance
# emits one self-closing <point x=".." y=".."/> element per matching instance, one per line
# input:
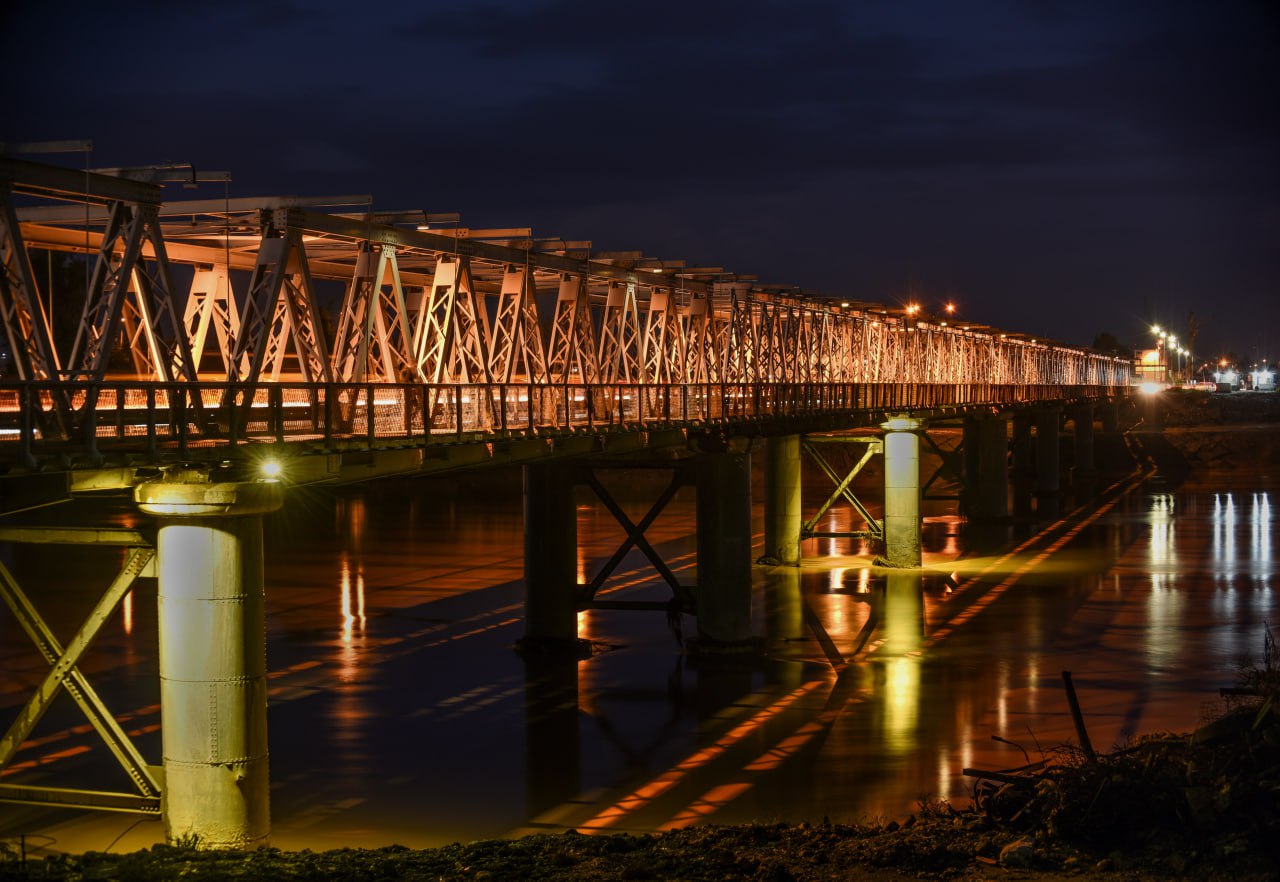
<point x="1198" y="806"/>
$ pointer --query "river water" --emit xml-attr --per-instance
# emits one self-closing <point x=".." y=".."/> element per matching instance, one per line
<point x="400" y="712"/>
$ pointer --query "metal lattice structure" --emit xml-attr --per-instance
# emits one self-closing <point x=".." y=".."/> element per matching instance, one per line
<point x="445" y="307"/>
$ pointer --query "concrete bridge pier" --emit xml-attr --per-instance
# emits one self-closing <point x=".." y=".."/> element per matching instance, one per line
<point x="987" y="440"/>
<point x="213" y="675"/>
<point x="1048" y="459"/>
<point x="782" y="520"/>
<point x="1024" y="464"/>
<point x="1082" y="428"/>
<point x="902" y="491"/>
<point x="1109" y="416"/>
<point x="550" y="554"/>
<point x="724" y="545"/>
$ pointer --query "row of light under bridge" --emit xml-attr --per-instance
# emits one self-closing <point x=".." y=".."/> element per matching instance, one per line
<point x="442" y="307"/>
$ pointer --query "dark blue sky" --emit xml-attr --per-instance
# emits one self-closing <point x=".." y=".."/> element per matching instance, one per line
<point x="1059" y="168"/>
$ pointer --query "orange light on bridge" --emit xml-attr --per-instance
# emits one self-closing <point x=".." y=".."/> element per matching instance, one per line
<point x="950" y="308"/>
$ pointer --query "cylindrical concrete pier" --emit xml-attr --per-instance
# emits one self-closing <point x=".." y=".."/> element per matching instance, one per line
<point x="1024" y="465"/>
<point x="1109" y="415"/>
<point x="782" y="519"/>
<point x="989" y="493"/>
<point x="724" y="547"/>
<point x="1048" y="482"/>
<point x="550" y="553"/>
<point x="213" y="684"/>
<point x="902" y="491"/>
<point x="1082" y="434"/>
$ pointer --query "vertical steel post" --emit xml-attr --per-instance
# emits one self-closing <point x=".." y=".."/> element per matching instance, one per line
<point x="724" y="545"/>
<point x="550" y="553"/>
<point x="782" y="519"/>
<point x="902" y="491"/>
<point x="213" y="683"/>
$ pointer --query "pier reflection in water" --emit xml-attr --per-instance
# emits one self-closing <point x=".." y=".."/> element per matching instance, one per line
<point x="401" y="713"/>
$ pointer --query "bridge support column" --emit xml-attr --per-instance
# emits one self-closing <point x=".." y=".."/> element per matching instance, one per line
<point x="724" y="545"/>
<point x="1082" y="428"/>
<point x="782" y="501"/>
<point x="1109" y="414"/>
<point x="550" y="554"/>
<point x="1048" y="460"/>
<point x="213" y="675"/>
<point x="1024" y="464"/>
<point x="989" y="490"/>
<point x="902" y="491"/>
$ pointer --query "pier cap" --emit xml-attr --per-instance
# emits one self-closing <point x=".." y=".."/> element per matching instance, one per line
<point x="195" y="499"/>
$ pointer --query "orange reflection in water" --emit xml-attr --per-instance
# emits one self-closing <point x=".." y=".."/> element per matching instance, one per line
<point x="353" y="618"/>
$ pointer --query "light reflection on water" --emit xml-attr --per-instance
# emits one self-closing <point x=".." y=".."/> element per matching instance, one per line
<point x="401" y="713"/>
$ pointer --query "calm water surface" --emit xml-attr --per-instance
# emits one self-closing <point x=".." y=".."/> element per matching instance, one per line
<point x="401" y="714"/>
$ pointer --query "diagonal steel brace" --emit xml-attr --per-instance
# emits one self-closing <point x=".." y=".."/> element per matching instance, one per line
<point x="635" y="538"/>
<point x="874" y="446"/>
<point x="947" y="467"/>
<point x="64" y="673"/>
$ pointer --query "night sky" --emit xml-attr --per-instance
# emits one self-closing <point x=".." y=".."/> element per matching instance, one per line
<point x="1058" y="168"/>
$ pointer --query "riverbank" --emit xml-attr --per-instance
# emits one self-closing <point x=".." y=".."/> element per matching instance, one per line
<point x="1200" y="806"/>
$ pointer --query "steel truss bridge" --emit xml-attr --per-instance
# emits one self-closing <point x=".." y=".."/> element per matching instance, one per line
<point x="202" y="343"/>
<point x="444" y="332"/>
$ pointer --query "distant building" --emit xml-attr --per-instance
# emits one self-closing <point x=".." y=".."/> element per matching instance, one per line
<point x="1150" y="366"/>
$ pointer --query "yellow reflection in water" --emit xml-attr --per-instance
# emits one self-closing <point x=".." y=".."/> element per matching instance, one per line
<point x="903" y="623"/>
<point x="901" y="702"/>
<point x="903" y="612"/>
<point x="128" y="613"/>
<point x="835" y="578"/>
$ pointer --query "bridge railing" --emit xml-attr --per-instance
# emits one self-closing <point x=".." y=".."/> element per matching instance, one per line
<point x="56" y="418"/>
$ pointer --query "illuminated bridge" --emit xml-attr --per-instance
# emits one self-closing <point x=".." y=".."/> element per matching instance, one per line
<point x="206" y="376"/>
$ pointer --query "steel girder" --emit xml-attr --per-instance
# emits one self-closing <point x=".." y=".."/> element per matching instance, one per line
<point x="211" y="305"/>
<point x="620" y="344"/>
<point x="451" y="341"/>
<point x="158" y="341"/>
<point x="571" y="351"/>
<point x="25" y="323"/>
<point x="279" y="308"/>
<point x="373" y="342"/>
<point x="515" y="350"/>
